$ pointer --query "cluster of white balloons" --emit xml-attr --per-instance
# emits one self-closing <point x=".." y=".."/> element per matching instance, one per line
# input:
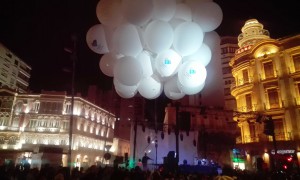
<point x="150" y="46"/>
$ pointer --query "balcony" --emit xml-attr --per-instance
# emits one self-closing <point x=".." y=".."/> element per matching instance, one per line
<point x="241" y="82"/>
<point x="264" y="77"/>
<point x="253" y="107"/>
<point x="279" y="136"/>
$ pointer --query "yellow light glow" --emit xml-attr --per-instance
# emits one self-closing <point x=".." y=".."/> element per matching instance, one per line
<point x="266" y="50"/>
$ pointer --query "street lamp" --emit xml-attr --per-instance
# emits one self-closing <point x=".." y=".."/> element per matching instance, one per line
<point x="73" y="57"/>
<point x="156" y="145"/>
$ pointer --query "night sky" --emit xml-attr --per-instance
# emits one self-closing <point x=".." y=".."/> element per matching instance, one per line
<point x="38" y="30"/>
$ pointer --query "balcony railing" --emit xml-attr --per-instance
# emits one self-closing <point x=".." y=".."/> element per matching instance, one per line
<point x="279" y="136"/>
<point x="253" y="107"/>
<point x="241" y="82"/>
<point x="263" y="76"/>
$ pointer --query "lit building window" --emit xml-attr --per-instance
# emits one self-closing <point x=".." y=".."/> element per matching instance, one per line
<point x="273" y="98"/>
<point x="269" y="70"/>
<point x="296" y="60"/>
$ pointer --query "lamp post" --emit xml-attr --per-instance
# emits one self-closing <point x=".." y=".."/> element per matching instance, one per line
<point x="73" y="57"/>
<point x="156" y="145"/>
<point x="177" y="135"/>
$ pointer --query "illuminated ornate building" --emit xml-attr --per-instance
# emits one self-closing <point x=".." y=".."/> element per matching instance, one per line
<point x="36" y="126"/>
<point x="14" y="73"/>
<point x="267" y="86"/>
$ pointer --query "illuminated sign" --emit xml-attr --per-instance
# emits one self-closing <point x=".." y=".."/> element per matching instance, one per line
<point x="284" y="151"/>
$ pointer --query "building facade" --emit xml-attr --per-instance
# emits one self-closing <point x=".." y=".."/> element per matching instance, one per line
<point x="266" y="87"/>
<point x="228" y="47"/>
<point x="14" y="72"/>
<point x="37" y="127"/>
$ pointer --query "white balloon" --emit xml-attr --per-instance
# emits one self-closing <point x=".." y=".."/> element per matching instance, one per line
<point x="107" y="63"/>
<point x="191" y="74"/>
<point x="109" y="36"/>
<point x="137" y="12"/>
<point x="208" y="15"/>
<point x="128" y="71"/>
<point x="164" y="10"/>
<point x="95" y="39"/>
<point x="183" y="12"/>
<point x="167" y="62"/>
<point x="125" y="91"/>
<point x="188" y="38"/>
<point x="150" y="87"/>
<point x="145" y="60"/>
<point x="190" y="90"/>
<point x="171" y="89"/>
<point x="127" y="41"/>
<point x="109" y="12"/>
<point x="213" y="41"/>
<point x="203" y="55"/>
<point x="193" y="3"/>
<point x="159" y="36"/>
<point x="176" y="22"/>
<point x="141" y="33"/>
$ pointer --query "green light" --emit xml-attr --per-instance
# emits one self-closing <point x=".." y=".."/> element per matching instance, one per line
<point x="237" y="160"/>
<point x="131" y="164"/>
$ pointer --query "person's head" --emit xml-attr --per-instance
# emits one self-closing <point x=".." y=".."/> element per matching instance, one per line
<point x="145" y="154"/>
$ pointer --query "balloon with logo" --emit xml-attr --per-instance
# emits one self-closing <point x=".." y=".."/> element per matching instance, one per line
<point x="191" y="74"/>
<point x="95" y="39"/>
<point x="167" y="62"/>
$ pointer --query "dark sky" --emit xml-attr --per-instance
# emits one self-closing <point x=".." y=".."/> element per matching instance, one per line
<point x="38" y="30"/>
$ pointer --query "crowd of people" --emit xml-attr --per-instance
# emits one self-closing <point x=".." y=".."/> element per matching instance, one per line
<point x="11" y="172"/>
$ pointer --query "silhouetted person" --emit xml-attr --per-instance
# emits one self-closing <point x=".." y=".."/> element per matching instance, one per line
<point x="145" y="162"/>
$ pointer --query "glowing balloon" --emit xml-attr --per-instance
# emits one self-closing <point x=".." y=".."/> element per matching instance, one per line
<point x="107" y="63"/>
<point x="203" y="55"/>
<point x="145" y="60"/>
<point x="171" y="89"/>
<point x="208" y="15"/>
<point x="193" y="3"/>
<point x="95" y="39"/>
<point x="137" y="12"/>
<point x="164" y="10"/>
<point x="212" y="40"/>
<point x="125" y="91"/>
<point x="190" y="90"/>
<point x="167" y="62"/>
<point x="188" y="38"/>
<point x="176" y="22"/>
<point x="191" y="74"/>
<point x="127" y="41"/>
<point x="150" y="87"/>
<point x="159" y="36"/>
<point x="183" y="12"/>
<point x="128" y="71"/>
<point x="109" y="12"/>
